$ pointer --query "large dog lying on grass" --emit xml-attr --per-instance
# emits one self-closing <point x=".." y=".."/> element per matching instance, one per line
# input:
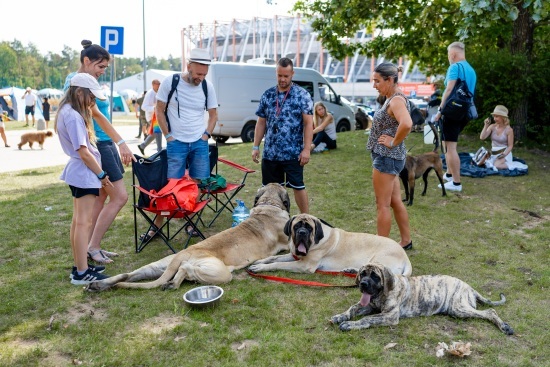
<point x="388" y="297"/>
<point x="214" y="259"/>
<point x="317" y="246"/>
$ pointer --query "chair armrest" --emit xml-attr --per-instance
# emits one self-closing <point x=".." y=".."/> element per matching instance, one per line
<point x="235" y="165"/>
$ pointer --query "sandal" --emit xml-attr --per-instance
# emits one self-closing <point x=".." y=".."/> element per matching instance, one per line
<point x="147" y="236"/>
<point x="109" y="253"/>
<point x="103" y="258"/>
<point x="191" y="231"/>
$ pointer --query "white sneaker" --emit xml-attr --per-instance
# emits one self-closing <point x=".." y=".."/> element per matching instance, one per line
<point x="447" y="178"/>
<point x="451" y="186"/>
<point x="320" y="148"/>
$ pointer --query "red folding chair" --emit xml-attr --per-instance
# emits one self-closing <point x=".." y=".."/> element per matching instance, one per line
<point x="151" y="174"/>
<point x="222" y="198"/>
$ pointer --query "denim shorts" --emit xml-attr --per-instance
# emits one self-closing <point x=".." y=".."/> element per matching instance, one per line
<point x="193" y="155"/>
<point x="110" y="160"/>
<point x="386" y="164"/>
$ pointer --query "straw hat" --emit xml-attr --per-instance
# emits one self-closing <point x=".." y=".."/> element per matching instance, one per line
<point x="500" y="110"/>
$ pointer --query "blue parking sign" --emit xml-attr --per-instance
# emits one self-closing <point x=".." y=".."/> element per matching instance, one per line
<point x="112" y="39"/>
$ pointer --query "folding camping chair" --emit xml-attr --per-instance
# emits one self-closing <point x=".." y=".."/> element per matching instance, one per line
<point x="222" y="198"/>
<point x="151" y="174"/>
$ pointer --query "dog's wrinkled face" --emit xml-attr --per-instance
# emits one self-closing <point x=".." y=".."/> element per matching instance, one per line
<point x="305" y="231"/>
<point x="372" y="281"/>
<point x="273" y="194"/>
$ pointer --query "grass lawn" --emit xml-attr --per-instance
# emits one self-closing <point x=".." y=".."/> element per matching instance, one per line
<point x="495" y="235"/>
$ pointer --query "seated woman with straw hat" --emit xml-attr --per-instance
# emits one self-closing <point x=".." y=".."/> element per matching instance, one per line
<point x="502" y="137"/>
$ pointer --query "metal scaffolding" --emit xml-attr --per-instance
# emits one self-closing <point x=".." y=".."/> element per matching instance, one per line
<point x="267" y="39"/>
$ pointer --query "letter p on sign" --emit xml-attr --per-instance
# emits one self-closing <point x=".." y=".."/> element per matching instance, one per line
<point x="112" y="39"/>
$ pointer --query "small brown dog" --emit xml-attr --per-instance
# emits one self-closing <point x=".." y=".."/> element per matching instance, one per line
<point x="34" y="137"/>
<point x="420" y="165"/>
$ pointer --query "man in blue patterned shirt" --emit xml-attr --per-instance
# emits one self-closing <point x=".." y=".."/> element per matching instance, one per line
<point x="285" y="118"/>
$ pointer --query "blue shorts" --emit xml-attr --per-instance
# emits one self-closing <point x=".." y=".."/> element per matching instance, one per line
<point x="29" y="109"/>
<point x="274" y="172"/>
<point x="386" y="164"/>
<point x="110" y="160"/>
<point x="79" y="192"/>
<point x="193" y="155"/>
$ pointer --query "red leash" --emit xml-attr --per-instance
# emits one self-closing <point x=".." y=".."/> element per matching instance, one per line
<point x="305" y="282"/>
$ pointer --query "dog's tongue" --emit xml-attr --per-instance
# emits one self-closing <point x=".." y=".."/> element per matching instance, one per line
<point x="302" y="248"/>
<point x="365" y="299"/>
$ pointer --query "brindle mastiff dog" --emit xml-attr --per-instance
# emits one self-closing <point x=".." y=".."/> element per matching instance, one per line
<point x="315" y="245"/>
<point x="212" y="260"/>
<point x="390" y="297"/>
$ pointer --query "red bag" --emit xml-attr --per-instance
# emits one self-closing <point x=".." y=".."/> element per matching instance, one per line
<point x="178" y="193"/>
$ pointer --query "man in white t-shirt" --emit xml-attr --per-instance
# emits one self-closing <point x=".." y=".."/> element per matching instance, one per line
<point x="184" y="130"/>
<point x="185" y="133"/>
<point x="30" y="101"/>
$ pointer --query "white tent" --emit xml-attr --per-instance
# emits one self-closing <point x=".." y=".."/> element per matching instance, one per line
<point x="128" y="94"/>
<point x="50" y="93"/>
<point x="135" y="82"/>
<point x="18" y="104"/>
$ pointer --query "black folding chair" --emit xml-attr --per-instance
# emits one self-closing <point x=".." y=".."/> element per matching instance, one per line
<point x="151" y="174"/>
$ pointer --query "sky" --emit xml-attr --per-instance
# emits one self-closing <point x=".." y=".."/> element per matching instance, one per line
<point x="52" y="24"/>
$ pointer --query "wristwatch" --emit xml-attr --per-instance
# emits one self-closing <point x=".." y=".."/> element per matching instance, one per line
<point x="207" y="134"/>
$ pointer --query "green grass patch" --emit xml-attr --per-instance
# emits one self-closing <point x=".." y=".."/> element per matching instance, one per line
<point x="495" y="235"/>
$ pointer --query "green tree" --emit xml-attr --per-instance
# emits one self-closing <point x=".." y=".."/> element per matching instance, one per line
<point x="9" y="69"/>
<point x="422" y="29"/>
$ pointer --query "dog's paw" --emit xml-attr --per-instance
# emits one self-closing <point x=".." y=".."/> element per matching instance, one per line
<point x="255" y="268"/>
<point x="345" y="326"/>
<point x="508" y="329"/>
<point x="167" y="286"/>
<point x="338" y="319"/>
<point x="94" y="287"/>
<point x="350" y="271"/>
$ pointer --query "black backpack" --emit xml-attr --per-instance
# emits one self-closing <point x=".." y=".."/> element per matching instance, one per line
<point x="175" y="81"/>
<point x="459" y="101"/>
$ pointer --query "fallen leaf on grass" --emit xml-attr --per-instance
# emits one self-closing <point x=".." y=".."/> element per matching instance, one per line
<point x="389" y="346"/>
<point x="458" y="349"/>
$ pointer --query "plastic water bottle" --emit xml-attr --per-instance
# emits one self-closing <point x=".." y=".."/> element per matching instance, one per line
<point x="240" y="213"/>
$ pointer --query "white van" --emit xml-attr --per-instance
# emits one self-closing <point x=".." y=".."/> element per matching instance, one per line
<point x="239" y="88"/>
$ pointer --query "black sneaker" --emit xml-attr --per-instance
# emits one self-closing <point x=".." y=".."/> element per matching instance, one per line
<point x="96" y="268"/>
<point x="87" y="278"/>
<point x="141" y="150"/>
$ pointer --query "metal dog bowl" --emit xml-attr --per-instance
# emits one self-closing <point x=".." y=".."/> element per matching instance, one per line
<point x="203" y="297"/>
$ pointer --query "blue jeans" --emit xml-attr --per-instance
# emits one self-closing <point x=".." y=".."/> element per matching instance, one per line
<point x="194" y="155"/>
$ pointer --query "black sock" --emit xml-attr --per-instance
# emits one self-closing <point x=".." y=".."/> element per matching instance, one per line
<point x="448" y="175"/>
<point x="456" y="183"/>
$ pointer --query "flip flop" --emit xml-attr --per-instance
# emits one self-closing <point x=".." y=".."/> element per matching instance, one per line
<point x="103" y="258"/>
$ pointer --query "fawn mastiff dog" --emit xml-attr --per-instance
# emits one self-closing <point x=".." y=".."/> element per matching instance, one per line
<point x="315" y="245"/>
<point x="389" y="297"/>
<point x="212" y="260"/>
<point x="420" y="165"/>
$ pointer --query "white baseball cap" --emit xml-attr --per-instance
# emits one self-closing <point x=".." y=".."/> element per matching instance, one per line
<point x="85" y="80"/>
